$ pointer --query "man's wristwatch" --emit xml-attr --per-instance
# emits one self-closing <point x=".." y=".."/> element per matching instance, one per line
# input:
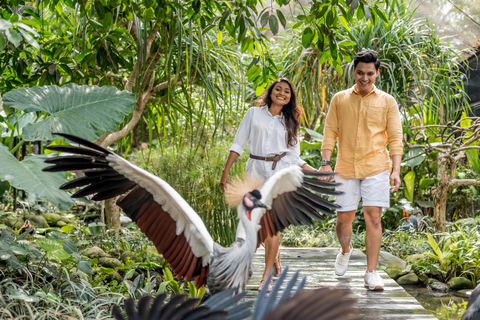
<point x="325" y="163"/>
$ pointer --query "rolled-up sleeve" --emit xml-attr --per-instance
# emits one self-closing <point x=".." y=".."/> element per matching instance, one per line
<point x="394" y="128"/>
<point x="243" y="133"/>
<point x="295" y="154"/>
<point x="330" y="133"/>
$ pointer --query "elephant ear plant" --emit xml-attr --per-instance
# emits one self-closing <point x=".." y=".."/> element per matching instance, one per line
<point x="86" y="110"/>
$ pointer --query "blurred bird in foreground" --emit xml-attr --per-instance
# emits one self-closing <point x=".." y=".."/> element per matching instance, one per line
<point x="291" y="303"/>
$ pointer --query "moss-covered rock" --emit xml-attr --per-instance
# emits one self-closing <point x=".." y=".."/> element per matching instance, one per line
<point x="95" y="252"/>
<point x="438" y="286"/>
<point x="77" y="275"/>
<point x="114" y="276"/>
<point x="131" y="255"/>
<point x="52" y="218"/>
<point x="423" y="278"/>
<point x="37" y="221"/>
<point x="394" y="266"/>
<point x="416" y="258"/>
<point x="108" y="262"/>
<point x="154" y="256"/>
<point x="66" y="221"/>
<point x="408" y="279"/>
<point x="13" y="222"/>
<point x="459" y="283"/>
<point x="61" y="223"/>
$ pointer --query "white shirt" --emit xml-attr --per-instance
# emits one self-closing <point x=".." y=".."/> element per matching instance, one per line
<point x="265" y="135"/>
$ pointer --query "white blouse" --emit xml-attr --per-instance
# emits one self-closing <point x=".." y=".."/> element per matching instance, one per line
<point x="265" y="135"/>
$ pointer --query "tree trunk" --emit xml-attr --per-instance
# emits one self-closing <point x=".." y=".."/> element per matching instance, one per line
<point x="112" y="214"/>
<point x="440" y="196"/>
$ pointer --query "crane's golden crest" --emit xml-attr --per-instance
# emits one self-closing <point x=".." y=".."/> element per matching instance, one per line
<point x="238" y="187"/>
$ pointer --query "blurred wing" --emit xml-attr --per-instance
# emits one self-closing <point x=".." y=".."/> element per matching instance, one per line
<point x="295" y="198"/>
<point x="224" y="305"/>
<point x="159" y="211"/>
<point x="318" y="304"/>
<point x="288" y="300"/>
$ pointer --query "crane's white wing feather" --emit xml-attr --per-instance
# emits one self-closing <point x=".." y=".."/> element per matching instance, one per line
<point x="187" y="220"/>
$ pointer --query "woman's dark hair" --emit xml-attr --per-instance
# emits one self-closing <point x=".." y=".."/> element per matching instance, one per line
<point x="292" y="112"/>
<point x="367" y="56"/>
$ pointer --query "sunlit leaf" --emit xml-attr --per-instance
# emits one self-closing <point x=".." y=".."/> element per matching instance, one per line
<point x="13" y="36"/>
<point x="409" y="179"/>
<point x="307" y="37"/>
<point x="313" y="134"/>
<point x="5" y="24"/>
<point x="415" y="161"/>
<point x="94" y="109"/>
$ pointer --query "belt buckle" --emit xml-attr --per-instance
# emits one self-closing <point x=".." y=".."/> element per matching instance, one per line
<point x="272" y="156"/>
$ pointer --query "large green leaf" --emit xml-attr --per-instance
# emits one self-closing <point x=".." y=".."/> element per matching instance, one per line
<point x="53" y="247"/>
<point x="28" y="175"/>
<point x="415" y="161"/>
<point x="88" y="111"/>
<point x="410" y="184"/>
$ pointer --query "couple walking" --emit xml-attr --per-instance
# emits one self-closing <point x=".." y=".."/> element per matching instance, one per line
<point x="364" y="120"/>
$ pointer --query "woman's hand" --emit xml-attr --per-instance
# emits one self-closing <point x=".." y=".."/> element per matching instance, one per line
<point x="326" y="168"/>
<point x="224" y="180"/>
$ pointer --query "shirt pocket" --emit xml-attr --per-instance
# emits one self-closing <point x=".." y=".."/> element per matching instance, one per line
<point x="376" y="117"/>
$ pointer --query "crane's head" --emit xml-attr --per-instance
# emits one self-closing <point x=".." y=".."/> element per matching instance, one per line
<point x="239" y="193"/>
<point x="251" y="200"/>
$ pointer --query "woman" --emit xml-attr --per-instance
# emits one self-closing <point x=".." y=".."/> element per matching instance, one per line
<point x="270" y="132"/>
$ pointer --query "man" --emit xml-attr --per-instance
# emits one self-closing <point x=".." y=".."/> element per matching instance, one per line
<point x="364" y="119"/>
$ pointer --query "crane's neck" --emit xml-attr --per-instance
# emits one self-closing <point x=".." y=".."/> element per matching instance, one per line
<point x="250" y="231"/>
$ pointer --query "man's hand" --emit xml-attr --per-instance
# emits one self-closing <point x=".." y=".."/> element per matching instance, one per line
<point x="395" y="181"/>
<point x="326" y="168"/>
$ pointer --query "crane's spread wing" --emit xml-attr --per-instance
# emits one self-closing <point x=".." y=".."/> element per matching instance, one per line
<point x="159" y="211"/>
<point x="295" y="197"/>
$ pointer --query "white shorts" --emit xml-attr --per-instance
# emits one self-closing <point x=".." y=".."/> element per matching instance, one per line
<point x="374" y="191"/>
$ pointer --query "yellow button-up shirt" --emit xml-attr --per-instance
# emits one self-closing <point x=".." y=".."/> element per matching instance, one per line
<point x="364" y="127"/>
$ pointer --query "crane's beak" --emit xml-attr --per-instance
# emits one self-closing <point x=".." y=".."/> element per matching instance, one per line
<point x="259" y="204"/>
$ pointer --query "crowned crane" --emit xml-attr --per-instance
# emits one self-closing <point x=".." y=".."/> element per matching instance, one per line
<point x="176" y="229"/>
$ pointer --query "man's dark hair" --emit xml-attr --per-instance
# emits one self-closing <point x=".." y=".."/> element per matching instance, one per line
<point x="367" y="56"/>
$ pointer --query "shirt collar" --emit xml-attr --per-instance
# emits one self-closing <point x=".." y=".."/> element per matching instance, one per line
<point x="353" y="91"/>
<point x="265" y="108"/>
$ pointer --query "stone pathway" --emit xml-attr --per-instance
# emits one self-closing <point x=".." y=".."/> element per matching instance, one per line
<point x="317" y="264"/>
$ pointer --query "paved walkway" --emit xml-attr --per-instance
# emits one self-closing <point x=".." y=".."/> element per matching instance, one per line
<point x="317" y="264"/>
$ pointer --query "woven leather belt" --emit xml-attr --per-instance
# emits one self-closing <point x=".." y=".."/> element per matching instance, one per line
<point x="275" y="158"/>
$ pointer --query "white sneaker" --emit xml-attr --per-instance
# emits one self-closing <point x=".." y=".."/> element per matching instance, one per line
<point x="373" y="281"/>
<point x="341" y="263"/>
